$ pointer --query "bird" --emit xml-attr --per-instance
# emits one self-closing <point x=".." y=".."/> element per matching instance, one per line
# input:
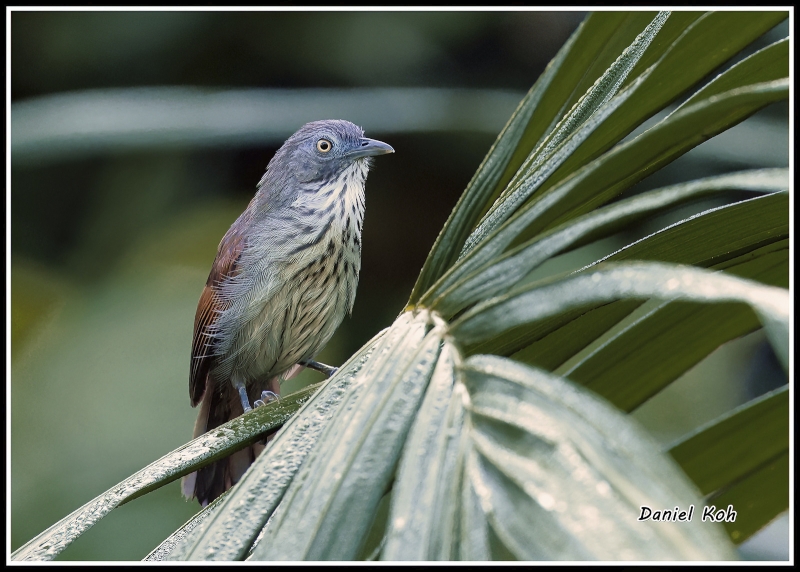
<point x="284" y="277"/>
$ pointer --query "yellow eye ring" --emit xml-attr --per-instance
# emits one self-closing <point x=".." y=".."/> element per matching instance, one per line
<point x="323" y="145"/>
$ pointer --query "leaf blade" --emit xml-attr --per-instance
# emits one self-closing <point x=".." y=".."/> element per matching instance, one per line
<point x="337" y="489"/>
<point x="583" y="58"/>
<point x="735" y="444"/>
<point x="605" y="177"/>
<point x="509" y="268"/>
<point x="579" y="470"/>
<point x="642" y="280"/>
<point x="754" y="509"/>
<point x="417" y="529"/>
<point x="566" y="338"/>
<point x="176" y="545"/>
<point x="470" y="204"/>
<point x="225" y="439"/>
<point x="706" y="43"/>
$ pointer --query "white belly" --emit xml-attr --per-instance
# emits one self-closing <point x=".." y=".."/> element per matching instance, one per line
<point x="298" y="287"/>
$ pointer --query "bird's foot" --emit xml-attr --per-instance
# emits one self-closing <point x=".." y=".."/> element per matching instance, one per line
<point x="328" y="370"/>
<point x="267" y="397"/>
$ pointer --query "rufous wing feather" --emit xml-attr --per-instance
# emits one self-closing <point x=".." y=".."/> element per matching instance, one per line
<point x="219" y="402"/>
<point x="211" y="304"/>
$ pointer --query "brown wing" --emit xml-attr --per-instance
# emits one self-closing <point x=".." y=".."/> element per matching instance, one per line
<point x="210" y="304"/>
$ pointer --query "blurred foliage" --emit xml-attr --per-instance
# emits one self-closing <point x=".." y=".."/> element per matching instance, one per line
<point x="58" y="51"/>
<point x="109" y="253"/>
<point x="38" y="294"/>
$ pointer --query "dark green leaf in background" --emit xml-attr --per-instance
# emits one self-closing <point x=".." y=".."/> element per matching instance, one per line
<point x="699" y="240"/>
<point x="498" y="317"/>
<point x="754" y="508"/>
<point x="728" y="449"/>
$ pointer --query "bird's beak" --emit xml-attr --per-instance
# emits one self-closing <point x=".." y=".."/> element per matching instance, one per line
<point x="370" y="147"/>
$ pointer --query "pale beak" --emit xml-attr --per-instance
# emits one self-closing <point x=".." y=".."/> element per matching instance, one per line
<point x="370" y="147"/>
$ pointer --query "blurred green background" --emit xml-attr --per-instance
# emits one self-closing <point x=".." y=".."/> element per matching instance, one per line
<point x="118" y="203"/>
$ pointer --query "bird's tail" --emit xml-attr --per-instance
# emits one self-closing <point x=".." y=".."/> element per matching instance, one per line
<point x="219" y="405"/>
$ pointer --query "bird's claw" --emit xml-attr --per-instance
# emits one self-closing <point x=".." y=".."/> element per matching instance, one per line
<point x="267" y="397"/>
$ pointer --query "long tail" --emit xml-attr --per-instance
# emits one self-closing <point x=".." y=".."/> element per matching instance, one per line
<point x="219" y="405"/>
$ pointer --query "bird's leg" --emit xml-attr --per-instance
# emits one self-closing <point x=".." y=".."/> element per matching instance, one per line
<point x="320" y="367"/>
<point x="239" y="385"/>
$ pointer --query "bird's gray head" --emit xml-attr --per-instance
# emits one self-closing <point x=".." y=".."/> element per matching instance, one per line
<point x="321" y="150"/>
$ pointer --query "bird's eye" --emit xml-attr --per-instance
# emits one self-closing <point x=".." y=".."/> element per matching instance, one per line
<point x="324" y="145"/>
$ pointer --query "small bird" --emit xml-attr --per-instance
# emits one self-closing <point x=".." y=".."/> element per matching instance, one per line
<point x="284" y="277"/>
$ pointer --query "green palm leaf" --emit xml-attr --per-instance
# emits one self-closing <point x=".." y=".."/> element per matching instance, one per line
<point x="596" y="44"/>
<point x="742" y="459"/>
<point x="563" y="337"/>
<point x="733" y="446"/>
<point x="561" y="474"/>
<point x="506" y="270"/>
